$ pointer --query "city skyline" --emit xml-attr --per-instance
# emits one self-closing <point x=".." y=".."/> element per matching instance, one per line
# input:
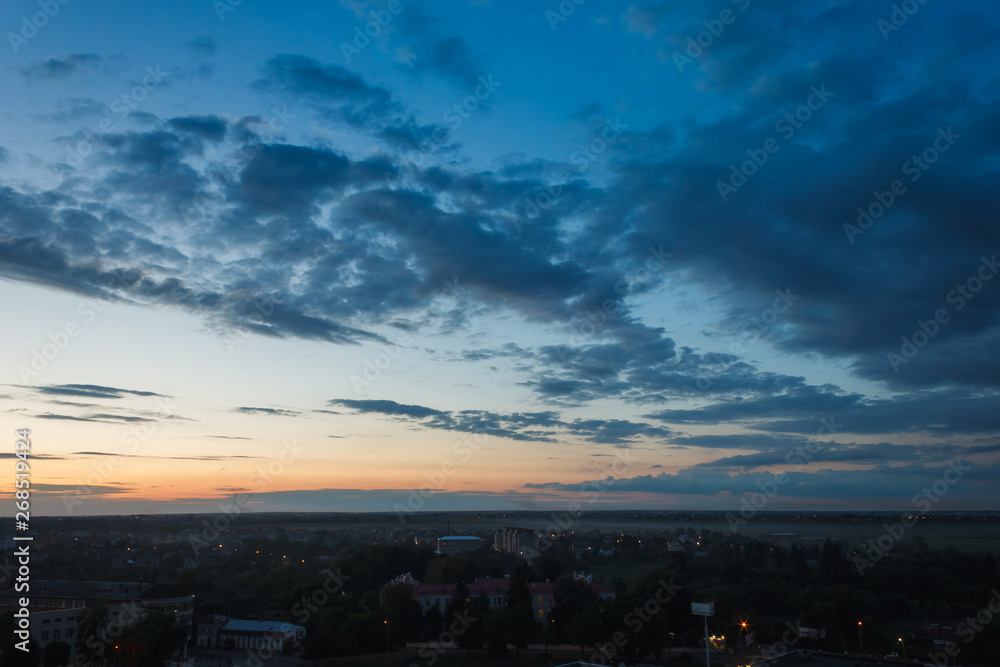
<point x="525" y="256"/>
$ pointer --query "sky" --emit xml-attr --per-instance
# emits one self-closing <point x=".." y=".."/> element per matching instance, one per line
<point x="405" y="256"/>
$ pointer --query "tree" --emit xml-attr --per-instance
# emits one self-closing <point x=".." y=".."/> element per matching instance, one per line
<point x="521" y="619"/>
<point x="151" y="640"/>
<point x="433" y="624"/>
<point x="401" y="611"/>
<point x="91" y="634"/>
<point x="576" y="611"/>
<point x="475" y="635"/>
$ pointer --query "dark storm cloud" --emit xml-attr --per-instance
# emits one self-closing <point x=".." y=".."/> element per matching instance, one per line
<point x="615" y="431"/>
<point x="856" y="302"/>
<point x="644" y="366"/>
<point x="339" y="94"/>
<point x="736" y="441"/>
<point x="60" y="68"/>
<point x="800" y="412"/>
<point x="805" y="401"/>
<point x="427" y="50"/>
<point x="211" y="128"/>
<point x="526" y="426"/>
<point x="330" y="248"/>
<point x="878" y="483"/>
<point x="869" y="454"/>
<point x="27" y="259"/>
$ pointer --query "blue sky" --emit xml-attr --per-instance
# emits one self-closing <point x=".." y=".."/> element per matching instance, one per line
<point x="492" y="252"/>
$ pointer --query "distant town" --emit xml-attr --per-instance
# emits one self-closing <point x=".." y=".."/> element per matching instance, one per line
<point x="505" y="588"/>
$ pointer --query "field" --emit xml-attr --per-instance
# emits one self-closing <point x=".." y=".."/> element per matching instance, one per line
<point x="977" y="532"/>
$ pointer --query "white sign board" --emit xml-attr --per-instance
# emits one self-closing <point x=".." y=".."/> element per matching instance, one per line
<point x="703" y="608"/>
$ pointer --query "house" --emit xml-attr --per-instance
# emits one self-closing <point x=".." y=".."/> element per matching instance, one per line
<point x="207" y="630"/>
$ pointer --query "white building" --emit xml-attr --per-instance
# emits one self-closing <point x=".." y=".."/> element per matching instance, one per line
<point x="264" y="635"/>
<point x="456" y="544"/>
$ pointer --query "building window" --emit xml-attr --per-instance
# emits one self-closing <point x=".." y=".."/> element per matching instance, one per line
<point x="57" y="634"/>
<point x="69" y="633"/>
<point x="45" y="636"/>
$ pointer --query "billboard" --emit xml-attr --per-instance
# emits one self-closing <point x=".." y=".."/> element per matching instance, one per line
<point x="703" y="608"/>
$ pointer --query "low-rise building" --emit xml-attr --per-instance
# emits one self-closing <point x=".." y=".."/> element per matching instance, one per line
<point x="57" y="606"/>
<point x="456" y="544"/>
<point x="262" y="635"/>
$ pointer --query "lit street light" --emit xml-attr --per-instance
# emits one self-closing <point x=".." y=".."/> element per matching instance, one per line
<point x="861" y="646"/>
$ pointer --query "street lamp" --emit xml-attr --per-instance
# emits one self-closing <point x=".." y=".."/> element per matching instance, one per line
<point x="861" y="646"/>
<point x="904" y="646"/>
<point x="386" y="636"/>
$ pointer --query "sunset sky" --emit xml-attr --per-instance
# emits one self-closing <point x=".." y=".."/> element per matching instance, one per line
<point x="330" y="254"/>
